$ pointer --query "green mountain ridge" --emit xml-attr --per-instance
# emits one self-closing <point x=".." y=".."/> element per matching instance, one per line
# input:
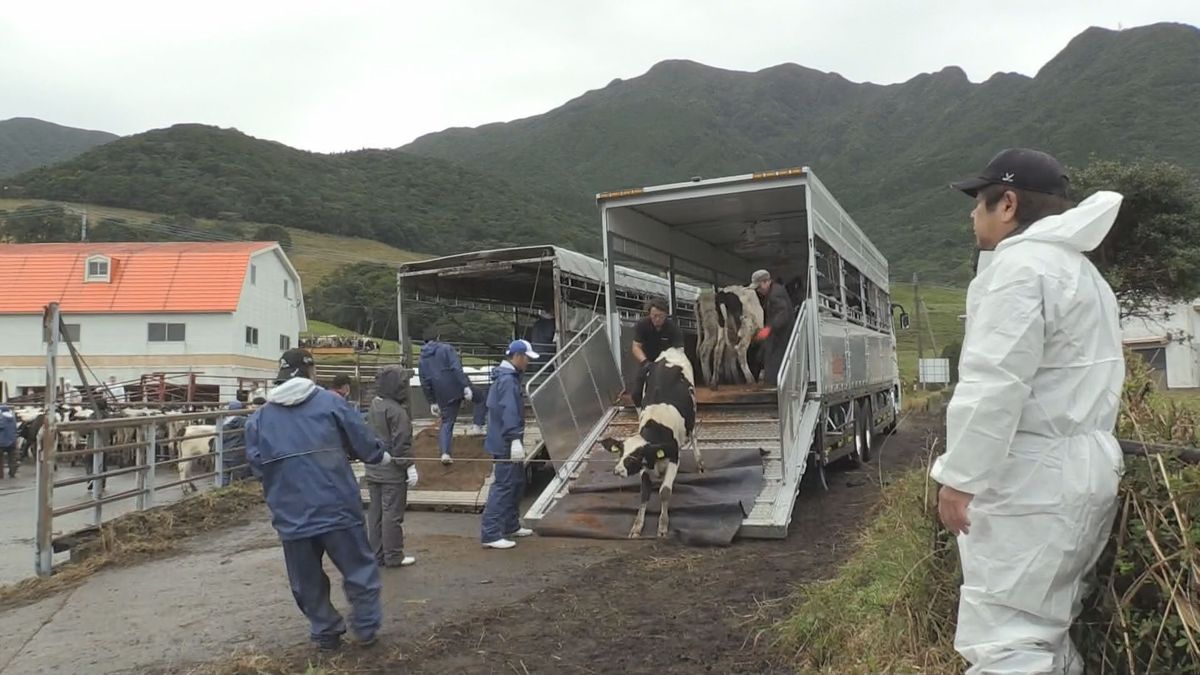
<point x="886" y="151"/>
<point x="27" y="143"/>
<point x="398" y="198"/>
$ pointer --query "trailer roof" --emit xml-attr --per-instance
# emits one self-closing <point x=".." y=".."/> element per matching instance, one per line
<point x="735" y="224"/>
<point x="511" y="271"/>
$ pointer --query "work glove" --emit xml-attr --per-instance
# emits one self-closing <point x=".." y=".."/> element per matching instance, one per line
<point x="412" y="476"/>
<point x="468" y="394"/>
<point x="387" y="458"/>
<point x="763" y="333"/>
<point x="435" y="409"/>
<point x="516" y="451"/>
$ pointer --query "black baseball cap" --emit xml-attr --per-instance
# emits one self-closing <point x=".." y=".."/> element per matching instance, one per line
<point x="1020" y="168"/>
<point x="294" y="363"/>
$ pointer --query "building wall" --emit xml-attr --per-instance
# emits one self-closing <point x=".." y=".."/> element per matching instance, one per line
<point x="1179" y="327"/>
<point x="215" y="344"/>
<point x="265" y="307"/>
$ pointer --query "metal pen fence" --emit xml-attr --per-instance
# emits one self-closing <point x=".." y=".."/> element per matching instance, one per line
<point x="152" y="450"/>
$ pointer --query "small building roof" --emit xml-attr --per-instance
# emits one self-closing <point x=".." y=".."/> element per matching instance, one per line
<point x="143" y="277"/>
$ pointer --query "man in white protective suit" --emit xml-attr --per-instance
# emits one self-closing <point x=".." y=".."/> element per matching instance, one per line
<point x="1031" y="467"/>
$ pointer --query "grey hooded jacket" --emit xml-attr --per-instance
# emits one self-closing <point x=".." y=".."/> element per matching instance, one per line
<point x="390" y="419"/>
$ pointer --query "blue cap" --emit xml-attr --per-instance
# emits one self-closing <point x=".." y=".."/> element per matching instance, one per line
<point x="522" y="347"/>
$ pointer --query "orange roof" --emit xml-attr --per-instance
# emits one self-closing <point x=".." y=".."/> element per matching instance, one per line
<point x="143" y="277"/>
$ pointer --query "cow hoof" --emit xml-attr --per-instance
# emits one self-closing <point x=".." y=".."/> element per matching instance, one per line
<point x="635" y="534"/>
<point x="701" y="468"/>
<point x="662" y="531"/>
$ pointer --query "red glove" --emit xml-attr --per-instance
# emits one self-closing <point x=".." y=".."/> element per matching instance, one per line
<point x="763" y="334"/>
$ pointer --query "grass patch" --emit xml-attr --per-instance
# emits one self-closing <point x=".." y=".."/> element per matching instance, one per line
<point x="891" y="607"/>
<point x="136" y="536"/>
<point x="943" y="306"/>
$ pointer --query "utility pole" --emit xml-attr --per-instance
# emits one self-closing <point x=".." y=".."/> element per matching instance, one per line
<point x="917" y="308"/>
<point x="83" y="226"/>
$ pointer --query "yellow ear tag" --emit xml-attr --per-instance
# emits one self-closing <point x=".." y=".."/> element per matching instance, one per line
<point x="661" y="454"/>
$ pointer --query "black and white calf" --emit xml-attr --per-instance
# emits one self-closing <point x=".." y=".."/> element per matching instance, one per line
<point x="666" y="424"/>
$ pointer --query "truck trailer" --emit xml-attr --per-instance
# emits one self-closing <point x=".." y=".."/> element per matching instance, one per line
<point x="839" y="387"/>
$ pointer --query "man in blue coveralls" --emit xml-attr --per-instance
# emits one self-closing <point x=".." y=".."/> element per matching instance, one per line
<point x="298" y="444"/>
<point x="446" y="387"/>
<point x="505" y="433"/>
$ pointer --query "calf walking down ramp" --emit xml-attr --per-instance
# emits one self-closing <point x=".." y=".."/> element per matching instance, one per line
<point x="706" y="509"/>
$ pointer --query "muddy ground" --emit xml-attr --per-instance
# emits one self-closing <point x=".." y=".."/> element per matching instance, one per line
<point x="467" y="473"/>
<point x="637" y="607"/>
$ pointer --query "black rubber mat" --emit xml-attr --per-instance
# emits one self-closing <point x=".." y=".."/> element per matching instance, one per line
<point x="705" y="510"/>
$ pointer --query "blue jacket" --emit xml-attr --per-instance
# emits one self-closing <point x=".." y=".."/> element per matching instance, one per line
<point x="441" y="373"/>
<point x="297" y="444"/>
<point x="506" y="411"/>
<point x="230" y="438"/>
<point x="8" y="427"/>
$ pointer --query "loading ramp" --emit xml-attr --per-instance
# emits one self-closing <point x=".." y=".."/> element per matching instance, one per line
<point x="732" y="419"/>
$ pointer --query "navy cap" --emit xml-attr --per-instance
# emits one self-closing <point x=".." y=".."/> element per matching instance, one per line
<point x="1023" y="169"/>
<point x="293" y="363"/>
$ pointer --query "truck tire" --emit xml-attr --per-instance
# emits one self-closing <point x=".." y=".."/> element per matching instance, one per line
<point x="867" y="429"/>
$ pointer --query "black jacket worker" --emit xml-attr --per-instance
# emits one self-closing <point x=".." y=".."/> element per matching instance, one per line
<point x="777" y="323"/>
<point x="651" y="335"/>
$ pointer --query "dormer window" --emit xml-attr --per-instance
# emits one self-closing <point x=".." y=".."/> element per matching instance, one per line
<point x="98" y="268"/>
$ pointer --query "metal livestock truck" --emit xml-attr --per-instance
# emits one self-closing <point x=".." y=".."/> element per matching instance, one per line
<point x="838" y="387"/>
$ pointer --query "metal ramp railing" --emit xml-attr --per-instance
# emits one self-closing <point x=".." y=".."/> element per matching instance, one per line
<point x="574" y="397"/>
<point x="799" y="414"/>
<point x="573" y="391"/>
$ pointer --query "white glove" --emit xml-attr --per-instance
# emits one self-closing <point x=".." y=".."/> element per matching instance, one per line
<point x="412" y="476"/>
<point x="435" y="409"/>
<point x="387" y="458"/>
<point x="516" y="450"/>
<point x="468" y="394"/>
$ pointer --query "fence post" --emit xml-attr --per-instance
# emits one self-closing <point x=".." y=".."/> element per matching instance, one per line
<point x="140" y="459"/>
<point x="96" y="442"/>
<point x="151" y="462"/>
<point x="219" y="452"/>
<point x="43" y="546"/>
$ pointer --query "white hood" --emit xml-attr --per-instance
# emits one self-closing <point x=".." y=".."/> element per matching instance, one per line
<point x="293" y="392"/>
<point x="1081" y="228"/>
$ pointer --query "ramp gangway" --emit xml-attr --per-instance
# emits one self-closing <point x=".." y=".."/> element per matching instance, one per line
<point x="732" y="418"/>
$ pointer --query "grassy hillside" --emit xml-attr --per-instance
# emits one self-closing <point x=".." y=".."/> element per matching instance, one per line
<point x="27" y="143"/>
<point x="886" y="152"/>
<point x="395" y="197"/>
<point x="939" y="326"/>
<point x="315" y="255"/>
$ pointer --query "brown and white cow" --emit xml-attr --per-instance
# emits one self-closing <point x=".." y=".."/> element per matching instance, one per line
<point x="666" y="424"/>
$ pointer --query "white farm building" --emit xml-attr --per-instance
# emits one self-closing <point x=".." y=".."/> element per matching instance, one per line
<point x="215" y="314"/>
<point x="1167" y="342"/>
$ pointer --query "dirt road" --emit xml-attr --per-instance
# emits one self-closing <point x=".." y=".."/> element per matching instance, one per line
<point x="551" y="605"/>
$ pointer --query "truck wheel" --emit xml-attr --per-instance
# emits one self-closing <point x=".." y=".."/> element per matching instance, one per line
<point x="814" y="473"/>
<point x="857" y="456"/>
<point x="867" y="417"/>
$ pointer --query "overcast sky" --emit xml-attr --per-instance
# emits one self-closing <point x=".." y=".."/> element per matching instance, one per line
<point x="347" y="74"/>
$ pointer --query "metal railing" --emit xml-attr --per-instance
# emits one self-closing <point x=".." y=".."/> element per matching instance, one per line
<point x="793" y="385"/>
<point x="572" y="392"/>
<point x="151" y="450"/>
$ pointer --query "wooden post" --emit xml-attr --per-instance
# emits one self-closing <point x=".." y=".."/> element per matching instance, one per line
<point x="917" y="317"/>
<point x="44" y="551"/>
